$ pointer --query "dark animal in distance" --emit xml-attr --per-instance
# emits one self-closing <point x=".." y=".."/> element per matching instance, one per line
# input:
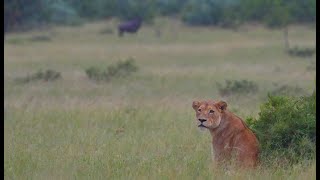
<point x="131" y="26"/>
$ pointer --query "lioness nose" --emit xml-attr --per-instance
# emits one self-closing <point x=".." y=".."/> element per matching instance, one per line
<point x="202" y="120"/>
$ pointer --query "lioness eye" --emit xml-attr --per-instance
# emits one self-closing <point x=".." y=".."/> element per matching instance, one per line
<point x="211" y="111"/>
<point x="199" y="110"/>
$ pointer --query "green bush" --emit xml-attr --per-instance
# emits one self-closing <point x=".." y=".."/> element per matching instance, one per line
<point x="237" y="87"/>
<point x="40" y="38"/>
<point x="301" y="52"/>
<point x="95" y="73"/>
<point x="231" y="19"/>
<point x="61" y="12"/>
<point x="169" y="7"/>
<point x="286" y="129"/>
<point x="128" y="9"/>
<point x="48" y="75"/>
<point x="203" y="12"/>
<point x="24" y="15"/>
<point x="120" y="69"/>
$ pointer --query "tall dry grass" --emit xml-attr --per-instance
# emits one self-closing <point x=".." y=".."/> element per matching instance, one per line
<point x="142" y="126"/>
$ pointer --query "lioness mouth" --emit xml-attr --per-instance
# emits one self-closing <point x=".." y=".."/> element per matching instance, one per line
<point x="201" y="125"/>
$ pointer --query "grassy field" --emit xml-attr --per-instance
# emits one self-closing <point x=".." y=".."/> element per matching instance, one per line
<point x="142" y="126"/>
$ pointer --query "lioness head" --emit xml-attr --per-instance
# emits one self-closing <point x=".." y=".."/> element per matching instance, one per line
<point x="208" y="113"/>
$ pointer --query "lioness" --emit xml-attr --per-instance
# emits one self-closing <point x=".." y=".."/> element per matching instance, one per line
<point x="230" y="136"/>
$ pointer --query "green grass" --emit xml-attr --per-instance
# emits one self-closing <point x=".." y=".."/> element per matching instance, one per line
<point x="140" y="127"/>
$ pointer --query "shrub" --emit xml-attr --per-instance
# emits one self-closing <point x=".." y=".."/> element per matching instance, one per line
<point x="61" y="12"/>
<point x="23" y="15"/>
<point x="286" y="128"/>
<point x="128" y="9"/>
<point x="95" y="73"/>
<point x="48" y="75"/>
<point x="120" y="69"/>
<point x="301" y="52"/>
<point x="169" y="7"/>
<point x="237" y="87"/>
<point x="16" y="41"/>
<point x="40" y="38"/>
<point x="205" y="12"/>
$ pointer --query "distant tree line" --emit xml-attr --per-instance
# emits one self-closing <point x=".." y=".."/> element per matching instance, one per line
<point x="20" y="14"/>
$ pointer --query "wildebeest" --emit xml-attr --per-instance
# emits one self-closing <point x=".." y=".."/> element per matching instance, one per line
<point x="131" y="26"/>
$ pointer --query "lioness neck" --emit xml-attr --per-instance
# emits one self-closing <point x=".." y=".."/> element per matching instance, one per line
<point x="226" y="119"/>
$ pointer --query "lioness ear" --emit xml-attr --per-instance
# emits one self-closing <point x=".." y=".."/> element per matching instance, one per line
<point x="195" y="105"/>
<point x="222" y="105"/>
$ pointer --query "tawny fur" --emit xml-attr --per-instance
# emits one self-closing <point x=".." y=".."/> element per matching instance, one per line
<point x="230" y="135"/>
